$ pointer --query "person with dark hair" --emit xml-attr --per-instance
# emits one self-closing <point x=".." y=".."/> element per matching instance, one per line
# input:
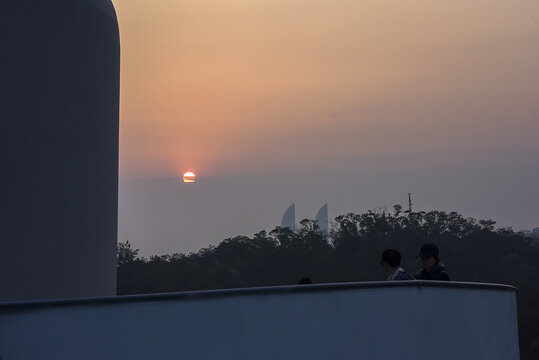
<point x="391" y="262"/>
<point x="305" y="281"/>
<point x="431" y="268"/>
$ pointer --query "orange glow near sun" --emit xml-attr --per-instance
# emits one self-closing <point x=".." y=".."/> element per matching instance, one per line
<point x="189" y="177"/>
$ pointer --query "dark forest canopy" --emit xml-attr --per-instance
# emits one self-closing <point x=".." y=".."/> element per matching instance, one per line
<point x="472" y="250"/>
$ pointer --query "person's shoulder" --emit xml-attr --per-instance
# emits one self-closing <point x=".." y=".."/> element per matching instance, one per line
<point x="444" y="275"/>
<point x="403" y="275"/>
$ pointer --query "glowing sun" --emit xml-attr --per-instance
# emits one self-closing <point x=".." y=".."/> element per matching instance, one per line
<point x="189" y="177"/>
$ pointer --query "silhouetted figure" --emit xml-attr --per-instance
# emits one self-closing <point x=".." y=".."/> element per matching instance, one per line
<point x="431" y="268"/>
<point x="304" y="280"/>
<point x="391" y="261"/>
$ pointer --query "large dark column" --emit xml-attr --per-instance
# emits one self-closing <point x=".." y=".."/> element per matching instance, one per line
<point x="59" y="96"/>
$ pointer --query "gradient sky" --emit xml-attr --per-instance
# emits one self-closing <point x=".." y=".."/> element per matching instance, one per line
<point x="438" y="97"/>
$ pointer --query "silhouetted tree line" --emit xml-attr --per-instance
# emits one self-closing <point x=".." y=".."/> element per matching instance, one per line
<point x="473" y="251"/>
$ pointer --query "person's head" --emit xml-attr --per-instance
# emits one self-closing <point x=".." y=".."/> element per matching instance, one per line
<point x="391" y="260"/>
<point x="429" y="256"/>
<point x="304" y="281"/>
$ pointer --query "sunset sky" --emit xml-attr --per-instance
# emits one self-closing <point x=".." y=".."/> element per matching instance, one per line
<point x="397" y="91"/>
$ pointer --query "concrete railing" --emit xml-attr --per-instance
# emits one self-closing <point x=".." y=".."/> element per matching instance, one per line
<point x="372" y="320"/>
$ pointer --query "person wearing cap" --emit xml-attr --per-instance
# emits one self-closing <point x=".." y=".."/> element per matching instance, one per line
<point x="391" y="261"/>
<point x="431" y="268"/>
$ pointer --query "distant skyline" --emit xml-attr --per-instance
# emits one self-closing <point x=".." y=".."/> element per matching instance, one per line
<point x="434" y="98"/>
<point x="165" y="215"/>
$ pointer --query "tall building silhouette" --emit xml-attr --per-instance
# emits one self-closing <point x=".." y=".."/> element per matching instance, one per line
<point x="289" y="218"/>
<point x="322" y="219"/>
<point x="59" y="102"/>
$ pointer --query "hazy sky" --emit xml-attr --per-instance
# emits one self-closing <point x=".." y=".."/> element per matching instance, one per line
<point x="347" y="101"/>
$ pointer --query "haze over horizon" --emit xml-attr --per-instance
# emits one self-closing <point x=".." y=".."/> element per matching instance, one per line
<point x="354" y="103"/>
<point x="164" y="215"/>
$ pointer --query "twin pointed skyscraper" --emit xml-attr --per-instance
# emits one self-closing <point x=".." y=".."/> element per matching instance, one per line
<point x="289" y="218"/>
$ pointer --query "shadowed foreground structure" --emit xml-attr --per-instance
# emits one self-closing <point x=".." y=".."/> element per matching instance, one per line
<point x="332" y="321"/>
<point x="59" y="97"/>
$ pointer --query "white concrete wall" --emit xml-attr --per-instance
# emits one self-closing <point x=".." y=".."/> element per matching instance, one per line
<point x="59" y="101"/>
<point x="316" y="322"/>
